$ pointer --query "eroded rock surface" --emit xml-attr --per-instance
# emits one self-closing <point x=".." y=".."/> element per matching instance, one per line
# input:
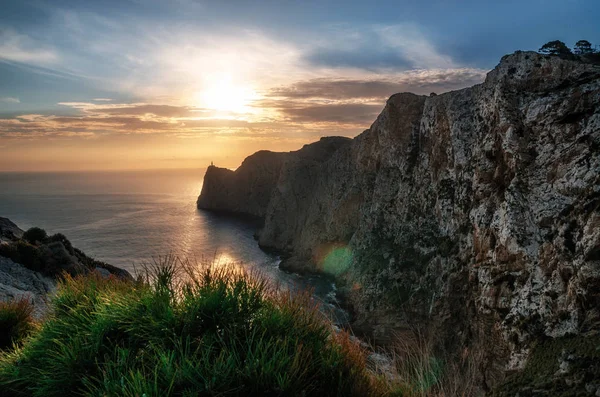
<point x="474" y="214"/>
<point x="8" y="230"/>
<point x="18" y="282"/>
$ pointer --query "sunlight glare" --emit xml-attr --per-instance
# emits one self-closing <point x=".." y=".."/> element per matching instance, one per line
<point x="223" y="94"/>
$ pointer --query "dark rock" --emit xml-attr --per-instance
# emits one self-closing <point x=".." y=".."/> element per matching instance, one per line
<point x="485" y="200"/>
<point x="9" y="231"/>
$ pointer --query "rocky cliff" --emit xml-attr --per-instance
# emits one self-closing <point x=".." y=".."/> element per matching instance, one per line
<point x="249" y="189"/>
<point x="29" y="269"/>
<point x="473" y="215"/>
<point x="246" y="190"/>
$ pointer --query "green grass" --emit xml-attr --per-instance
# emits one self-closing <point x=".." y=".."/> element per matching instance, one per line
<point x="16" y="322"/>
<point x="209" y="332"/>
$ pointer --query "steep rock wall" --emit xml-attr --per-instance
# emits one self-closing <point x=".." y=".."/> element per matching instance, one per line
<point x="250" y="188"/>
<point x="246" y="190"/>
<point x="474" y="213"/>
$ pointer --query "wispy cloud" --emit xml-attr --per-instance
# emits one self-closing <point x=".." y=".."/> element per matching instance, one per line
<point x="377" y="48"/>
<point x="18" y="47"/>
<point x="335" y="81"/>
<point x="416" y="81"/>
<point x="183" y="121"/>
<point x="136" y="109"/>
<point x="409" y="40"/>
<point x="7" y="99"/>
<point x="353" y="114"/>
<point x="354" y="102"/>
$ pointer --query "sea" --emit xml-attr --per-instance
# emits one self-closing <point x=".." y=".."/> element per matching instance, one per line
<point x="129" y="218"/>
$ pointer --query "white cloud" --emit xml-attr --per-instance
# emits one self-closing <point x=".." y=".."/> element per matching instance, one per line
<point x="7" y="99"/>
<point x="18" y="47"/>
<point x="410" y="41"/>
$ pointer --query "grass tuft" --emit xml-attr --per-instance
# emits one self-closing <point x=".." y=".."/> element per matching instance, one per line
<point x="185" y="329"/>
<point x="16" y="322"/>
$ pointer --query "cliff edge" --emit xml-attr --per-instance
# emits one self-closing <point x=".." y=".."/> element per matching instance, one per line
<point x="473" y="215"/>
<point x="248" y="190"/>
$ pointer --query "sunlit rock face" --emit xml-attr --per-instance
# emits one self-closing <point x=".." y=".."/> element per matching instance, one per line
<point x="474" y="213"/>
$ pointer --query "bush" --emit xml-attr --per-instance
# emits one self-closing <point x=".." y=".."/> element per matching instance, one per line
<point x="50" y="259"/>
<point x="34" y="235"/>
<point x="61" y="238"/>
<point x="219" y="332"/>
<point x="56" y="260"/>
<point x="28" y="255"/>
<point x="16" y="322"/>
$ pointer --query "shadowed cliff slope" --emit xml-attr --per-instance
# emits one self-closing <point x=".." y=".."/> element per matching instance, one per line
<point x="473" y="214"/>
<point x="248" y="190"/>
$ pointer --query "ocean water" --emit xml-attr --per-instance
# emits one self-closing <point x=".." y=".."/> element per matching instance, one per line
<point x="128" y="218"/>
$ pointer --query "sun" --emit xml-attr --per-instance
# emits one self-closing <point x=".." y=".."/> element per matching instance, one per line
<point x="221" y="93"/>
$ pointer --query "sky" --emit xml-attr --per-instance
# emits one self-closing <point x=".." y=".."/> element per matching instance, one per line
<point x="135" y="84"/>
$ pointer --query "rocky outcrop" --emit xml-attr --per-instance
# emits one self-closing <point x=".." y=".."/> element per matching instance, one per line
<point x="249" y="189"/>
<point x="9" y="231"/>
<point x="29" y="270"/>
<point x="246" y="190"/>
<point x="472" y="214"/>
<point x="17" y="282"/>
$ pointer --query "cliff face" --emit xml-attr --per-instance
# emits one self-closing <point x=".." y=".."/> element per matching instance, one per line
<point x="473" y="213"/>
<point x="249" y="189"/>
<point x="246" y="190"/>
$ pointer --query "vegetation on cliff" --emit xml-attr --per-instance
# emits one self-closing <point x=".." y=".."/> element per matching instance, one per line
<point x="557" y="47"/>
<point x="16" y="322"/>
<point x="52" y="255"/>
<point x="218" y="332"/>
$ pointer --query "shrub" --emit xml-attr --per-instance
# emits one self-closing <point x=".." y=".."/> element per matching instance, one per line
<point x="34" y="235"/>
<point x="56" y="259"/>
<point x="28" y="255"/>
<point x="51" y="259"/>
<point x="16" y="322"/>
<point x="214" y="331"/>
<point x="61" y="238"/>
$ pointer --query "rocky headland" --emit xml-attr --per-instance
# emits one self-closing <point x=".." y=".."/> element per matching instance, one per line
<point x="30" y="264"/>
<point x="473" y="216"/>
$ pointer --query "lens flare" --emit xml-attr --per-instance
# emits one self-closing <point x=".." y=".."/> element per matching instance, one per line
<point x="337" y="260"/>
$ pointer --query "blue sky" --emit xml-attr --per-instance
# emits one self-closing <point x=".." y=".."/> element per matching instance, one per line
<point x="195" y="76"/>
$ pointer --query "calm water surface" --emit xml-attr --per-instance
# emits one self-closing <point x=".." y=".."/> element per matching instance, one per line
<point x="126" y="218"/>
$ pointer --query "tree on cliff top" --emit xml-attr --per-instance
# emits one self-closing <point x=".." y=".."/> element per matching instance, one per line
<point x="583" y="47"/>
<point x="555" y="47"/>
